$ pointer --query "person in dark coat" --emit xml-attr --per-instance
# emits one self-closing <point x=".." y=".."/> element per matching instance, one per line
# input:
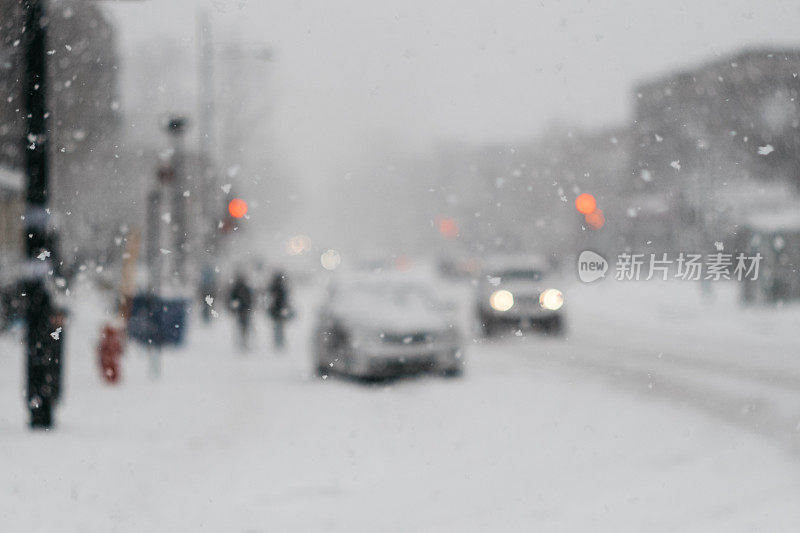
<point x="240" y="302"/>
<point x="278" y="307"/>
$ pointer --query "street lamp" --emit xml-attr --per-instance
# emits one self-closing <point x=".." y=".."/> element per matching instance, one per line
<point x="176" y="127"/>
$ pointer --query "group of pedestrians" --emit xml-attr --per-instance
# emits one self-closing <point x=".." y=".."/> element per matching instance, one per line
<point x="241" y="301"/>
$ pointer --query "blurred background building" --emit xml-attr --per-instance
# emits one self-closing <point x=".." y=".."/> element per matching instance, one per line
<point x="84" y="119"/>
<point x="712" y="144"/>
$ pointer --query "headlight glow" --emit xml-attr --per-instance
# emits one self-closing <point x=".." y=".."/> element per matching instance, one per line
<point x="551" y="299"/>
<point x="501" y="300"/>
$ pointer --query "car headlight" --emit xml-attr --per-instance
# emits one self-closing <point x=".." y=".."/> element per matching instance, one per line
<point x="551" y="299"/>
<point x="501" y="300"/>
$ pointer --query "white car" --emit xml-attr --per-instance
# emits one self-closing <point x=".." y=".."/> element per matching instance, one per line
<point x="519" y="291"/>
<point x="384" y="324"/>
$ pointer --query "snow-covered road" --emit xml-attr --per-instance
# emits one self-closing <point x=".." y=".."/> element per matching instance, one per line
<point x="658" y="412"/>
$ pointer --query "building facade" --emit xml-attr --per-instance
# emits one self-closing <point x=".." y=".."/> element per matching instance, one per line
<point x="701" y="134"/>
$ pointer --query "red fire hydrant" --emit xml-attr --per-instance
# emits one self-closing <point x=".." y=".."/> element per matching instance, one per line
<point x="109" y="351"/>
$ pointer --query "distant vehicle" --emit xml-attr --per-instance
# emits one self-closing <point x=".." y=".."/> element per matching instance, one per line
<point x="385" y="324"/>
<point x="457" y="267"/>
<point x="518" y="291"/>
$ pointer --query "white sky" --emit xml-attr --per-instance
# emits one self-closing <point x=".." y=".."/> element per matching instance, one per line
<point x="414" y="71"/>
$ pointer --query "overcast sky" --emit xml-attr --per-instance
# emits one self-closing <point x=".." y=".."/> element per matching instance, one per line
<point x="415" y="71"/>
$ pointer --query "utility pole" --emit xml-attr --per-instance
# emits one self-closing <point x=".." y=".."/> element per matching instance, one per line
<point x="176" y="127"/>
<point x="43" y="358"/>
<point x="205" y="121"/>
<point x="153" y="255"/>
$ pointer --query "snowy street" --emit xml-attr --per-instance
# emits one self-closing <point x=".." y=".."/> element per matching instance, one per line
<point x="401" y="266"/>
<point x="634" y="422"/>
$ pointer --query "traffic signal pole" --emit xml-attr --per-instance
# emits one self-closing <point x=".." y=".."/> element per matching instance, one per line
<point x="43" y="361"/>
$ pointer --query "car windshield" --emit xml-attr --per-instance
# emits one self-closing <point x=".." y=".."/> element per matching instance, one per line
<point x="392" y="293"/>
<point x="518" y="275"/>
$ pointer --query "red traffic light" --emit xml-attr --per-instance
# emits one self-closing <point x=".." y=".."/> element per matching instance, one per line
<point x="585" y="203"/>
<point x="596" y="219"/>
<point x="447" y="227"/>
<point x="237" y="208"/>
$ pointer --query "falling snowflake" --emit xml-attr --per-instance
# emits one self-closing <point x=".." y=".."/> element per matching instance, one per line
<point x="226" y="188"/>
<point x="167" y="217"/>
<point x="765" y="150"/>
<point x="214" y="314"/>
<point x="209" y="300"/>
<point x="57" y="333"/>
<point x="44" y="255"/>
<point x="233" y="171"/>
<point x="676" y="165"/>
<point x="165" y="251"/>
<point x="719" y="246"/>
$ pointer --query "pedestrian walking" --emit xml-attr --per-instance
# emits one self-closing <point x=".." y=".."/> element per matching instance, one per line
<point x="278" y="308"/>
<point x="240" y="303"/>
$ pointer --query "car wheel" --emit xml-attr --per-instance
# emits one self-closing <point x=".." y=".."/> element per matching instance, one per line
<point x="454" y="372"/>
<point x="323" y="370"/>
